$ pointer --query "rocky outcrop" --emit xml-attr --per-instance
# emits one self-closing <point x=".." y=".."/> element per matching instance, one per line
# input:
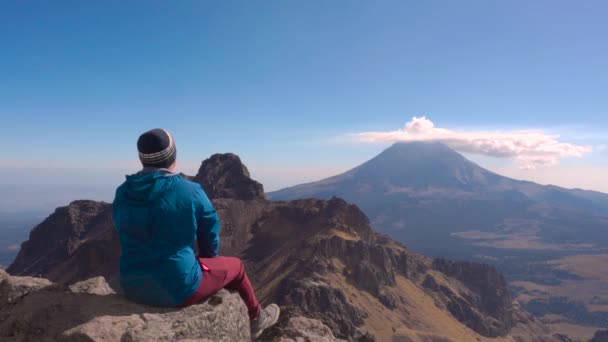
<point x="528" y="327"/>
<point x="321" y="301"/>
<point x="372" y="263"/>
<point x="600" y="336"/>
<point x="293" y="327"/>
<point x="91" y="311"/>
<point x="224" y="176"/>
<point x="237" y="218"/>
<point x="74" y="243"/>
<point x="486" y="308"/>
<point x="19" y="287"/>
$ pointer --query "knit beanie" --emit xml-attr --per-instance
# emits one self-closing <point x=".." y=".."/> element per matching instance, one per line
<point x="156" y="148"/>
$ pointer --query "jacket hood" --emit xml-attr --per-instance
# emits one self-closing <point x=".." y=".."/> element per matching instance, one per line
<point x="145" y="187"/>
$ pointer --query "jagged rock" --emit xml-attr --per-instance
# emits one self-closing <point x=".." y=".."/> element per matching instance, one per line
<point x="89" y="311"/>
<point x="237" y="218"/>
<point x="366" y="278"/>
<point x="97" y="286"/>
<point x="293" y="327"/>
<point x="600" y="336"/>
<point x="389" y="300"/>
<point x="74" y="243"/>
<point x="225" y="176"/>
<point x="487" y="308"/>
<point x="371" y="263"/>
<point x="13" y="288"/>
<point x="328" y="304"/>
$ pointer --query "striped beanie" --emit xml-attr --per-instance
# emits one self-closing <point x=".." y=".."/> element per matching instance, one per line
<point x="156" y="148"/>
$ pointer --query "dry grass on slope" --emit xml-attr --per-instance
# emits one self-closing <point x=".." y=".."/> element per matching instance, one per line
<point x="417" y="313"/>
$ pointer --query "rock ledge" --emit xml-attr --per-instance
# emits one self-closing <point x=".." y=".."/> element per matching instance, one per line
<point x="34" y="309"/>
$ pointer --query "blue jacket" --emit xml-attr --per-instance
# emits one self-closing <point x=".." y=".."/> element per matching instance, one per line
<point x="158" y="215"/>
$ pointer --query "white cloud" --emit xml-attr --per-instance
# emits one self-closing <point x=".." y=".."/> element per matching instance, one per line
<point x="531" y="148"/>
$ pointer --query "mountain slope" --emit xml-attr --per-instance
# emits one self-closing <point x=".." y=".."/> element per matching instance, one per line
<point x="316" y="258"/>
<point x="411" y="168"/>
<point x="422" y="193"/>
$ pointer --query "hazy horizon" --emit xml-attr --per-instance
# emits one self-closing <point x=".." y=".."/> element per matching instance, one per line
<point x="107" y="179"/>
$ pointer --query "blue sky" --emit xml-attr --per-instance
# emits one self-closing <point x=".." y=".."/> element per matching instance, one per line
<point x="285" y="83"/>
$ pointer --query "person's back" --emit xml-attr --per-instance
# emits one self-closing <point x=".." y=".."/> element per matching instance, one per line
<point x="155" y="214"/>
<point x="159" y="215"/>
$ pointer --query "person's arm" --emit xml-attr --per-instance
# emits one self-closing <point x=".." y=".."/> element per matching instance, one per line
<point x="208" y="227"/>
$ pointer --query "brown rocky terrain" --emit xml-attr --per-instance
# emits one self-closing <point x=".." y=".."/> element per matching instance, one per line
<point x="319" y="259"/>
<point x="34" y="309"/>
<point x="600" y="336"/>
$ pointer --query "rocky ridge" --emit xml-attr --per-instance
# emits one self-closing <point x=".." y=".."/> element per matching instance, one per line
<point x="600" y="336"/>
<point x="320" y="258"/>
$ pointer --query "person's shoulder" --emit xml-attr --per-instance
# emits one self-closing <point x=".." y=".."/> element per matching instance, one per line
<point x="182" y="184"/>
<point x="120" y="189"/>
<point x="189" y="183"/>
<point x="197" y="191"/>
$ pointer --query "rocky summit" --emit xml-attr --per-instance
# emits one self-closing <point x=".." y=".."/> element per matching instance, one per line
<point x="334" y="277"/>
<point x="34" y="309"/>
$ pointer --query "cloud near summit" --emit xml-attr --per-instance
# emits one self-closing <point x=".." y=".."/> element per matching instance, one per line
<point x="530" y="148"/>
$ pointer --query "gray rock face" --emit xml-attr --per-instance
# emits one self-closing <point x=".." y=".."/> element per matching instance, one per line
<point x="328" y="304"/>
<point x="225" y="176"/>
<point x="3" y="274"/>
<point x="14" y="288"/>
<point x="490" y="313"/>
<point x="600" y="336"/>
<point x="97" y="286"/>
<point x="91" y="311"/>
<point x="74" y="243"/>
<point x="292" y="327"/>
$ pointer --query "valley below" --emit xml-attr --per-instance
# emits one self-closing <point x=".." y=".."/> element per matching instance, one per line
<point x="561" y="280"/>
<point x="564" y="282"/>
<point x="567" y="289"/>
<point x="14" y="229"/>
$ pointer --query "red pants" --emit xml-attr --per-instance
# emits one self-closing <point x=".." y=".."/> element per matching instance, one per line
<point x="224" y="272"/>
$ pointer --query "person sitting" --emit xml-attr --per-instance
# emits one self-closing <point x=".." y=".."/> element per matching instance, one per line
<point x="159" y="215"/>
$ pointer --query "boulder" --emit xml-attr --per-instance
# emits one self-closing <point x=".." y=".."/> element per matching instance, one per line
<point x="3" y="274"/>
<point x="14" y="288"/>
<point x="91" y="311"/>
<point x="293" y="327"/>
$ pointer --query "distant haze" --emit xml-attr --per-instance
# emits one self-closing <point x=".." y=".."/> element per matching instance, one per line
<point x="278" y="174"/>
<point x="45" y="198"/>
